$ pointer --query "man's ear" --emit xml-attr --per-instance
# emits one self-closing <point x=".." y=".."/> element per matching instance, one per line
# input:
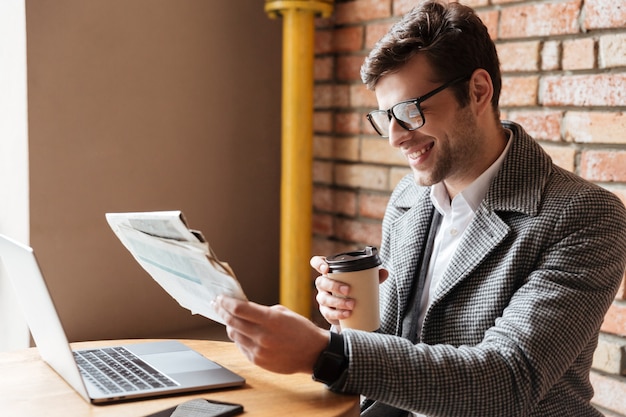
<point x="480" y="91"/>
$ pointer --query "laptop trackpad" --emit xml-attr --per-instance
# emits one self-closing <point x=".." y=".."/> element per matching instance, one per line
<point x="177" y="362"/>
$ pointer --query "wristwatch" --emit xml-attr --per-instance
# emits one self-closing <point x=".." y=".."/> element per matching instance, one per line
<point x="332" y="362"/>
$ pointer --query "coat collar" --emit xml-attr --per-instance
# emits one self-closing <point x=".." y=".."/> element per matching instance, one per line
<point x="520" y="183"/>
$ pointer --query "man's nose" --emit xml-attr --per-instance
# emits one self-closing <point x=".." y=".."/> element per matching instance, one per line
<point x="397" y="134"/>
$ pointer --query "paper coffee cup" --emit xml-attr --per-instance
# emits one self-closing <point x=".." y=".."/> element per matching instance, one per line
<point x="359" y="269"/>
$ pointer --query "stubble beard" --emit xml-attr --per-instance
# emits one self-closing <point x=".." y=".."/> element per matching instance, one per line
<point x="455" y="152"/>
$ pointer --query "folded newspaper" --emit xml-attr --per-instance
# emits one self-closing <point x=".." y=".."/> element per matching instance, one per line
<point x="179" y="259"/>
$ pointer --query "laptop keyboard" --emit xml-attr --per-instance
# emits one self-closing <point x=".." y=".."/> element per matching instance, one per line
<point x="116" y="369"/>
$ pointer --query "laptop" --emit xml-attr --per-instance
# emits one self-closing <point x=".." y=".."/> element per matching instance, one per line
<point x="135" y="371"/>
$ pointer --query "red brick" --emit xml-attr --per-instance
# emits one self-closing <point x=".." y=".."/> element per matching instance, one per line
<point x="610" y="355"/>
<point x="322" y="121"/>
<point x="595" y="127"/>
<point x="377" y="150"/>
<point x="519" y="91"/>
<point x="542" y="125"/>
<point x="330" y="95"/>
<point x="542" y="19"/>
<point x="323" y="42"/>
<point x="322" y="199"/>
<point x="609" y="393"/>
<point x="476" y="3"/>
<point x="323" y="95"/>
<point x="612" y="50"/>
<point x="322" y="146"/>
<point x="345" y="202"/>
<point x="349" y="67"/>
<point x="373" y="205"/>
<point x="584" y="90"/>
<point x="323" y="68"/>
<point x="396" y="175"/>
<point x="615" y="319"/>
<point x="348" y="39"/>
<point x="346" y="149"/>
<point x="600" y="14"/>
<point x="333" y="201"/>
<point x="490" y="19"/>
<point x="322" y="224"/>
<point x="362" y="176"/>
<point x="362" y="11"/>
<point x="401" y="7"/>
<point x="323" y="172"/>
<point x="348" y="122"/>
<point x="562" y="156"/>
<point x="551" y="56"/>
<point x="605" y="165"/>
<point x="519" y="56"/>
<point x="360" y="96"/>
<point x="579" y="54"/>
<point x="374" y="32"/>
<point x="363" y="232"/>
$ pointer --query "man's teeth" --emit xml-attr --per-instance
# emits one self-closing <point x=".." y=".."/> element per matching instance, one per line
<point x="419" y="153"/>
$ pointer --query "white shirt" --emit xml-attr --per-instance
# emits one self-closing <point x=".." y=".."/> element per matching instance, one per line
<point x="457" y="215"/>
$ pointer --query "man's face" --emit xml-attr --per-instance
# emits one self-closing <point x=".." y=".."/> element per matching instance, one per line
<point x="448" y="145"/>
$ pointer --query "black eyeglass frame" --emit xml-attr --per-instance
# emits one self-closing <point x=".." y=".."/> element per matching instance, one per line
<point x="417" y="101"/>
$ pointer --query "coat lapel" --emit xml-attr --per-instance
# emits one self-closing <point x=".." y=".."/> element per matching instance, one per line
<point x="411" y="231"/>
<point x="483" y="235"/>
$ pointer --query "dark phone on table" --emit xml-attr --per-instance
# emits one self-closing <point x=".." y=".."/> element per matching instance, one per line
<point x="201" y="408"/>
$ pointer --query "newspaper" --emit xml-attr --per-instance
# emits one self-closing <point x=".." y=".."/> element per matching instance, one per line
<point x="179" y="259"/>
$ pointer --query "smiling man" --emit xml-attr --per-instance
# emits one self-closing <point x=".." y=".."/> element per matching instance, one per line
<point x="499" y="266"/>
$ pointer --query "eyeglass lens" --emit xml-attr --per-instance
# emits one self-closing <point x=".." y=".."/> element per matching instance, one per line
<point x="407" y="114"/>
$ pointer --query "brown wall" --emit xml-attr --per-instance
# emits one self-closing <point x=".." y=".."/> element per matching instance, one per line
<point x="140" y="105"/>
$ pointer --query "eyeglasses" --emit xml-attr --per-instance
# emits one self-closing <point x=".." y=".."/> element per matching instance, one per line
<point x="407" y="113"/>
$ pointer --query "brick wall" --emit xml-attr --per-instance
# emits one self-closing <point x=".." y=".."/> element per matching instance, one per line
<point x="564" y="80"/>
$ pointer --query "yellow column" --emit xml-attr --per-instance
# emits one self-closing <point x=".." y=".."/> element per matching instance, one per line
<point x="297" y="147"/>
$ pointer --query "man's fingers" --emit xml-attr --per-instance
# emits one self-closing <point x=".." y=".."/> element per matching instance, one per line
<point x="332" y="286"/>
<point x="319" y="264"/>
<point x="328" y="300"/>
<point x="333" y="315"/>
<point x="245" y="310"/>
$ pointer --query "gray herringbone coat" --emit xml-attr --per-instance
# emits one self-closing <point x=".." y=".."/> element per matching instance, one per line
<point x="514" y="323"/>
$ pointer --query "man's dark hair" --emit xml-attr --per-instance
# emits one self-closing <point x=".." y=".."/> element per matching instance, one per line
<point x="451" y="36"/>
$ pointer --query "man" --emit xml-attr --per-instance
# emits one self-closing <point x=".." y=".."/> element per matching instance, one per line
<point x="498" y="265"/>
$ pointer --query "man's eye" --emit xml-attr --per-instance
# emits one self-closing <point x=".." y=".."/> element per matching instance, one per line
<point x="413" y="113"/>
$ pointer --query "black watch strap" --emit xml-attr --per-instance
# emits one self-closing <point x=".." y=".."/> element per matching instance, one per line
<point x="332" y="362"/>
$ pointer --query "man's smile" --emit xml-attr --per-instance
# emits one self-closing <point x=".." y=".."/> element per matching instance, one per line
<point x="415" y="154"/>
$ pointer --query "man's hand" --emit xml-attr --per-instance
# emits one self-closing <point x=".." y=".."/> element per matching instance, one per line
<point x="274" y="338"/>
<point x="334" y="307"/>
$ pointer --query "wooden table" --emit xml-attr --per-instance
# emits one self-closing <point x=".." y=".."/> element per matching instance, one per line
<point x="30" y="388"/>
